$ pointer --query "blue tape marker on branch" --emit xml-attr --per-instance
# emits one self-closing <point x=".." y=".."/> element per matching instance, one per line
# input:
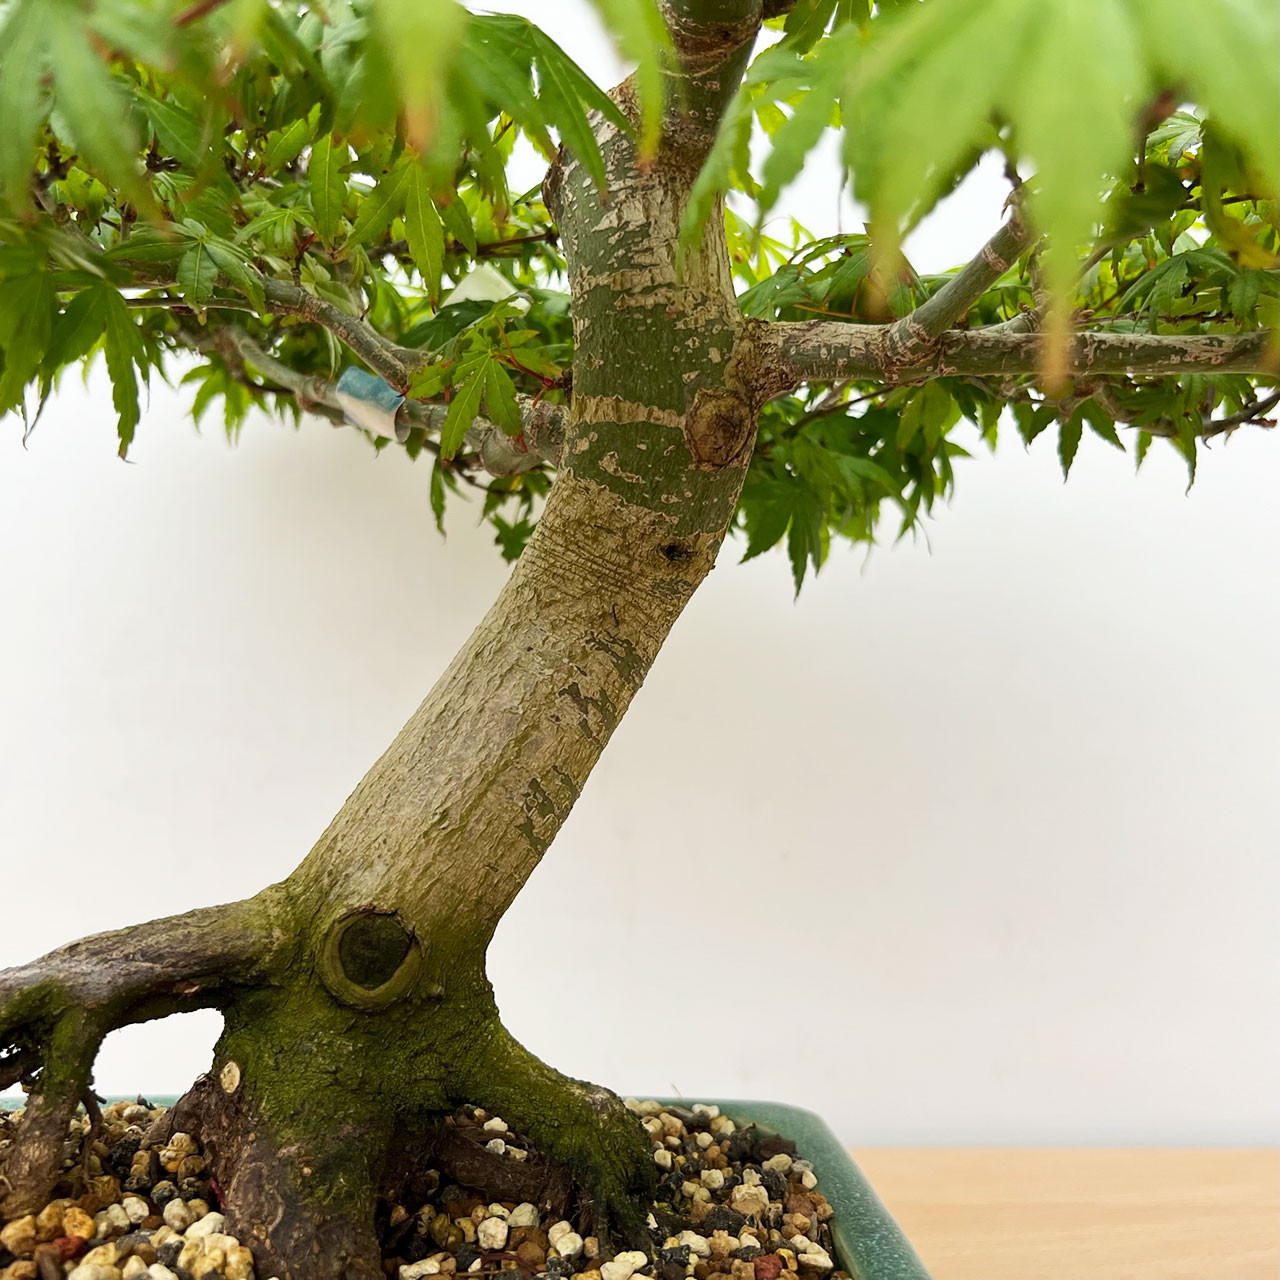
<point x="370" y="403"/>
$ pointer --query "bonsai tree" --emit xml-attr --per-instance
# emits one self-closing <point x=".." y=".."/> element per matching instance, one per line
<point x="304" y="207"/>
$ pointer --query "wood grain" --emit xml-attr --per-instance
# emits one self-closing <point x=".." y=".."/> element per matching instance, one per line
<point x="1072" y="1214"/>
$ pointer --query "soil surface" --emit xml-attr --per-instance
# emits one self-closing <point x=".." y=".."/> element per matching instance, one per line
<point x="730" y="1202"/>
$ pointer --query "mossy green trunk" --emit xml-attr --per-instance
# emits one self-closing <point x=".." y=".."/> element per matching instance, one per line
<point x="375" y="1015"/>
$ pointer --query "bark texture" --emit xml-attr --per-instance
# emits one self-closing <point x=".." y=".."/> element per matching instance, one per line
<point x="354" y="993"/>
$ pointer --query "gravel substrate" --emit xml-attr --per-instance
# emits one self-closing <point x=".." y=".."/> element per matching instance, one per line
<point x="730" y="1201"/>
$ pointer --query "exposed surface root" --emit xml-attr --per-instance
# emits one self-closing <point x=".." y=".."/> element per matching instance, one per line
<point x="55" y="1012"/>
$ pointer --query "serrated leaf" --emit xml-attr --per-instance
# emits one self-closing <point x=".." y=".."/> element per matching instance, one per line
<point x="424" y="230"/>
<point x="380" y="207"/>
<point x="566" y="94"/>
<point x="463" y="408"/>
<point x="197" y="273"/>
<point x="179" y="133"/>
<point x="1069" y="441"/>
<point x="122" y="345"/>
<point x="26" y="321"/>
<point x="228" y="260"/>
<point x="767" y="511"/>
<point x="642" y="38"/>
<point x="22" y="65"/>
<point x="77" y="327"/>
<point x="437" y="493"/>
<point x="806" y="536"/>
<point x="91" y="103"/>
<point x="327" y="184"/>
<point x="287" y="145"/>
<point x="500" y="399"/>
<point x="1243" y="294"/>
<point x="458" y="223"/>
<point x="793" y="141"/>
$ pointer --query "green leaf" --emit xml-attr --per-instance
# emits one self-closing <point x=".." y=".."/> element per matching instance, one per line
<point x="26" y="321"/>
<point x="91" y="103"/>
<point x="500" y="399"/>
<point x="327" y="184"/>
<point x="566" y="94"/>
<point x="380" y="207"/>
<point x="22" y="64"/>
<point x="286" y="145"/>
<point x="123" y="348"/>
<point x="77" y="327"/>
<point x="437" y="493"/>
<point x="424" y="230"/>
<point x="180" y="134"/>
<point x="794" y="140"/>
<point x="767" y="511"/>
<point x="197" y="273"/>
<point x="463" y="408"/>
<point x="229" y="260"/>
<point x="642" y="38"/>
<point x="1227" y="56"/>
<point x="420" y="39"/>
<point x="807" y="535"/>
<point x="1069" y="441"/>
<point x="458" y="222"/>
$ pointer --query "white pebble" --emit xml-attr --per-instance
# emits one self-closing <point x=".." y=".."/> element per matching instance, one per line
<point x="92" y="1271"/>
<point x="704" y="1140"/>
<point x="491" y="1234"/>
<point x="698" y="1245"/>
<point x="112" y="1220"/>
<point x="415" y="1270"/>
<point x="801" y="1244"/>
<point x="496" y="1125"/>
<point x="524" y="1215"/>
<point x="662" y="1158"/>
<point x="556" y="1230"/>
<point x="712" y="1178"/>
<point x="208" y="1225"/>
<point x="749" y="1200"/>
<point x="136" y="1208"/>
<point x="781" y="1163"/>
<point x="624" y="1265"/>
<point x="496" y="1145"/>
<point x="750" y="1178"/>
<point x="177" y="1215"/>
<point x="158" y="1271"/>
<point x="816" y="1257"/>
<point x="500" y="1211"/>
<point x="808" y="1180"/>
<point x="705" y="1109"/>
<point x="727" y="1127"/>
<point x="569" y="1245"/>
<point x="642" y="1107"/>
<point x="133" y="1267"/>
<point x="517" y="1153"/>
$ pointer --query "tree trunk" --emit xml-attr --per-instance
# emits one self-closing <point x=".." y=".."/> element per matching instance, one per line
<point x="355" y="999"/>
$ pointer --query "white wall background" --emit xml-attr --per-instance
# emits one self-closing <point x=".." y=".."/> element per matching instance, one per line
<point x="976" y="845"/>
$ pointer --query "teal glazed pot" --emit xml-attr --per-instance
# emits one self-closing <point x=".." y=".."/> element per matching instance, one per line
<point x="869" y="1243"/>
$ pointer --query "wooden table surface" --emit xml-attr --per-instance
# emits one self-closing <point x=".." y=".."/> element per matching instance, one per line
<point x="1084" y="1214"/>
